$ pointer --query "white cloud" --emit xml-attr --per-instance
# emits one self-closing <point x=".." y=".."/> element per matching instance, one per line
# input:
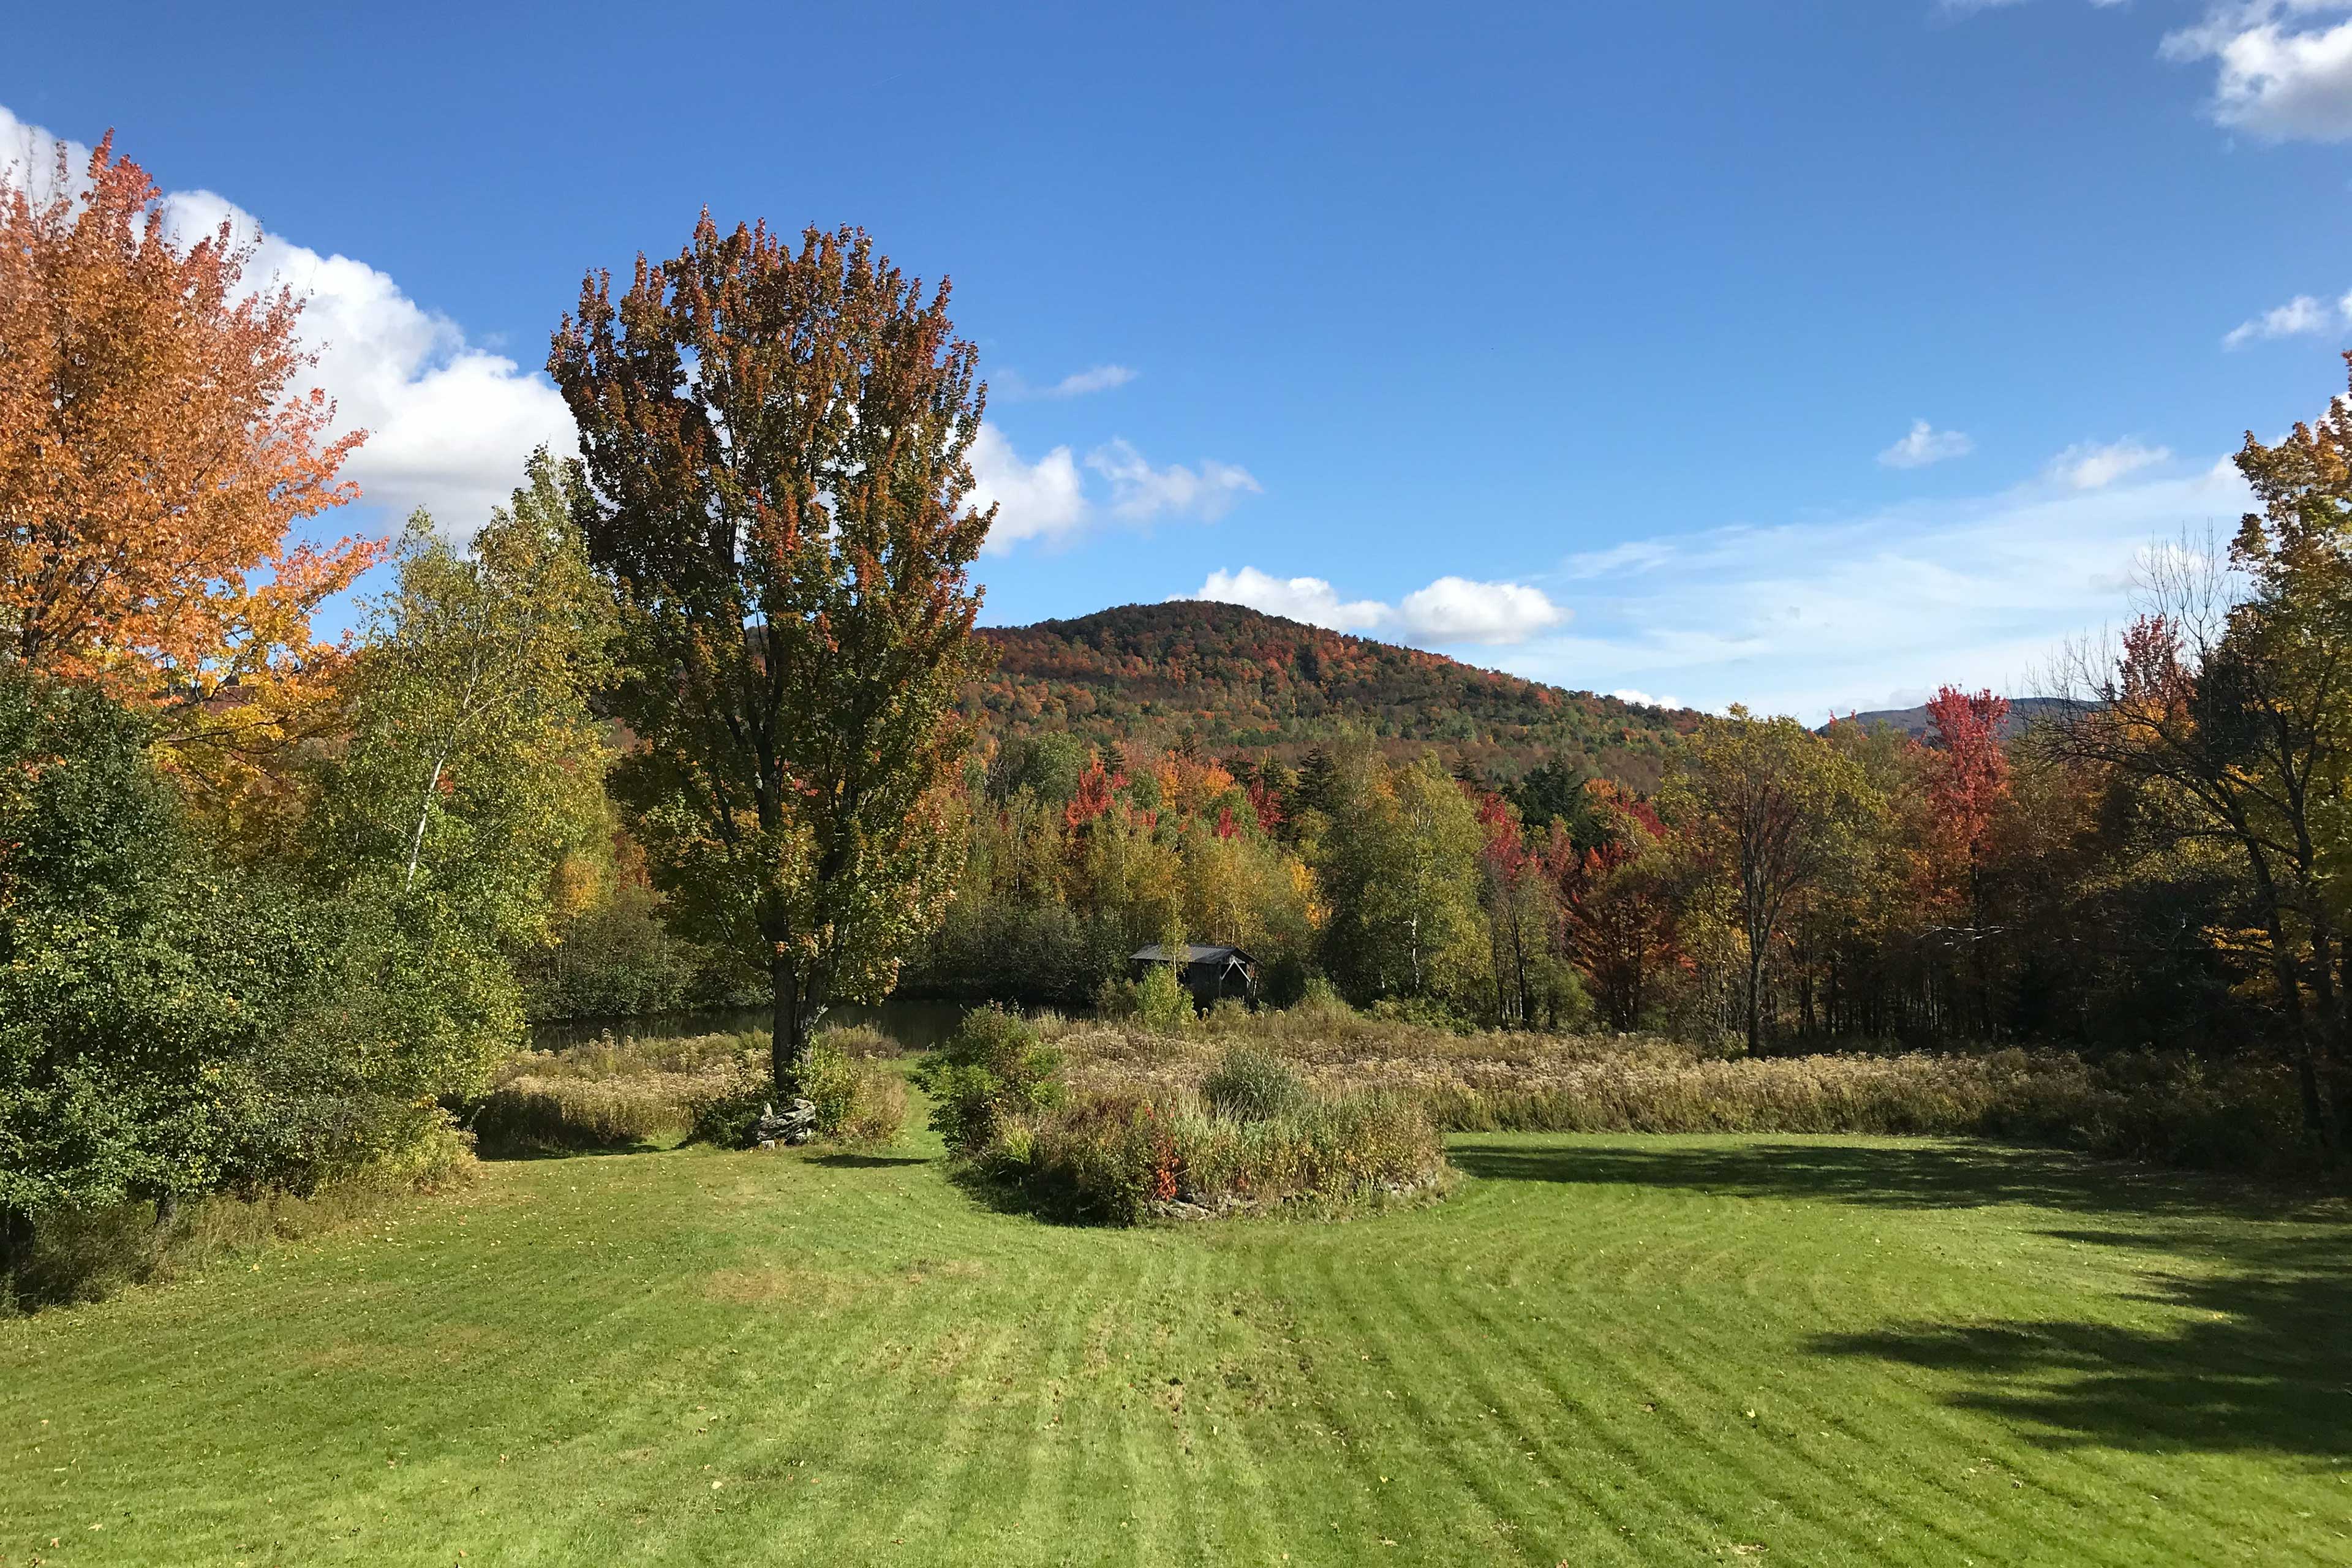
<point x="2282" y="71"/>
<point x="1924" y="445"/>
<point x="1642" y="698"/>
<point x="448" y="422"/>
<point x="1310" y="599"/>
<point x="1456" y="610"/>
<point x="1140" y="493"/>
<point x="2087" y="466"/>
<point x="1450" y="613"/>
<point x="1044" y="499"/>
<point x="2299" y="317"/>
<point x="1048" y="499"/>
<point x="1816" y="617"/>
<point x="1077" y="384"/>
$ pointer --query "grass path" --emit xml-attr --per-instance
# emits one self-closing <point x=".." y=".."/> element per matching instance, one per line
<point x="1600" y="1351"/>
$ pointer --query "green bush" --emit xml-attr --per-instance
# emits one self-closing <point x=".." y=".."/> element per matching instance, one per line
<point x="992" y="1068"/>
<point x="1250" y="1084"/>
<point x="1161" y="1002"/>
<point x="1117" y="998"/>
<point x="858" y="1100"/>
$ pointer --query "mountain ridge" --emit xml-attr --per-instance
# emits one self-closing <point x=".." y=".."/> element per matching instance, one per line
<point x="1241" y="681"/>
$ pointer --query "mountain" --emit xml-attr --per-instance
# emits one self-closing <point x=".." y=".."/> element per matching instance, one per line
<point x="2022" y="712"/>
<point x="1246" y="682"/>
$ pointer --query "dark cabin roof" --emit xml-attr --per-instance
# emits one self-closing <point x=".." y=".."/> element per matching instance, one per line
<point x="1157" y="953"/>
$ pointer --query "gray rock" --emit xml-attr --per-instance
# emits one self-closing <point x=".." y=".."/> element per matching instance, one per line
<point x="795" y="1124"/>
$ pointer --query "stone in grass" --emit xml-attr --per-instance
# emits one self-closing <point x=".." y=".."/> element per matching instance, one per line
<point x="796" y="1125"/>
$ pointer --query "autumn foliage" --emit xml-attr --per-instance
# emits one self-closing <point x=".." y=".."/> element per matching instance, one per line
<point x="155" y="458"/>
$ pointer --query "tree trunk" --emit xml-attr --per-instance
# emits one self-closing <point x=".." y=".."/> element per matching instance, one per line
<point x="1755" y="999"/>
<point x="16" y="1242"/>
<point x="788" y="1036"/>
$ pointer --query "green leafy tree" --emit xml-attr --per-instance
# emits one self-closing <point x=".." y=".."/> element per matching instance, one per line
<point x="472" y="774"/>
<point x="1774" y="812"/>
<point x="777" y="444"/>
<point x="144" y="988"/>
<point x="473" y="764"/>
<point x="1398" y="864"/>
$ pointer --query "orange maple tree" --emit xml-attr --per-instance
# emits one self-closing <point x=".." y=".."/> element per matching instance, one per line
<point x="154" y="459"/>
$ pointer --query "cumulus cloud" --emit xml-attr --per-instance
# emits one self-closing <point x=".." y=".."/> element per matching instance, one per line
<point x="1044" y="500"/>
<point x="1077" y="384"/>
<point x="1310" y="599"/>
<point x="1924" y="445"/>
<point x="1451" y="612"/>
<point x="1456" y="610"/>
<point x="2087" y="466"/>
<point x="1830" y="616"/>
<point x="2283" y="68"/>
<point x="448" y="422"/>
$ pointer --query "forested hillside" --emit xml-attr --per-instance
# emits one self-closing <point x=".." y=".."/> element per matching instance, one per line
<point x="1246" y="682"/>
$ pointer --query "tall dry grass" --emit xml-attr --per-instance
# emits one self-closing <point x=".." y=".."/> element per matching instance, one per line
<point x="610" y="1093"/>
<point x="2163" y="1109"/>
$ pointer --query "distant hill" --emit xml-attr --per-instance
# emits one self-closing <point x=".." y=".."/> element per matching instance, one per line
<point x="1246" y="682"/>
<point x="2022" y="712"/>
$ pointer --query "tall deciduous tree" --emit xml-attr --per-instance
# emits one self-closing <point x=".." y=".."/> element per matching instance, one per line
<point x="1620" y="901"/>
<point x="776" y="442"/>
<point x="473" y="764"/>
<point x="1774" y="808"/>
<point x="1398" y="860"/>
<point x="153" y="462"/>
<point x="1967" y="778"/>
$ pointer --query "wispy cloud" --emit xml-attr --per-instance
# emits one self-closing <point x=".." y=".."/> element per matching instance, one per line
<point x="2301" y="316"/>
<point x="1924" y="444"/>
<point x="1868" y="611"/>
<point x="2088" y="466"/>
<point x="1050" y="499"/>
<point x="1452" y="612"/>
<point x="1140" y="493"/>
<point x="1077" y="384"/>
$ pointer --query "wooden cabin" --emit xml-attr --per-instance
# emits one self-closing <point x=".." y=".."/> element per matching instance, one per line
<point x="1210" y="974"/>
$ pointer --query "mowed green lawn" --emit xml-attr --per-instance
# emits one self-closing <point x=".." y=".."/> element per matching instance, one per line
<point x="1600" y="1350"/>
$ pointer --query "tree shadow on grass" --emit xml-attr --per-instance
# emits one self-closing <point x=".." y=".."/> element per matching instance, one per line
<point x="866" y="1162"/>
<point x="2254" y="1286"/>
<point x="2254" y="1359"/>
<point x="504" y="1152"/>
<point x="1886" y="1175"/>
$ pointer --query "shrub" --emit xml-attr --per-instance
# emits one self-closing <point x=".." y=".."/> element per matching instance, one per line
<point x="1124" y="1157"/>
<point x="1161" y="1002"/>
<point x="858" y="1099"/>
<point x="1253" y="1085"/>
<point x="1118" y="998"/>
<point x="992" y="1068"/>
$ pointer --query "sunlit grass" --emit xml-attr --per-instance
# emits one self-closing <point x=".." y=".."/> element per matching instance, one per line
<point x="1600" y="1350"/>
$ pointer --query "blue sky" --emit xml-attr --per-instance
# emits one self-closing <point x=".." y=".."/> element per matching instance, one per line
<point x="1803" y="355"/>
